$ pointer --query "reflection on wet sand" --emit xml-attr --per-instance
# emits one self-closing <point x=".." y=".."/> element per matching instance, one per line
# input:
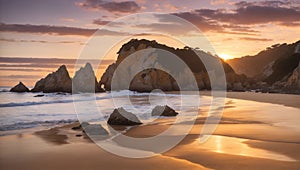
<point x="237" y="146"/>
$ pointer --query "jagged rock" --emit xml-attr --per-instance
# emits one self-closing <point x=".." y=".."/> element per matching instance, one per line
<point x="121" y="117"/>
<point x="85" y="80"/>
<point x="19" y="88"/>
<point x="163" y="111"/>
<point x="58" y="81"/>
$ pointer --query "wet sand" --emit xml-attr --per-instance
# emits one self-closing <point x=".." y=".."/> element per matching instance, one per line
<point x="251" y="135"/>
<point x="275" y="98"/>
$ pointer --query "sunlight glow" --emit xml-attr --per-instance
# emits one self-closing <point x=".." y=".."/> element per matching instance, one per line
<point x="225" y="56"/>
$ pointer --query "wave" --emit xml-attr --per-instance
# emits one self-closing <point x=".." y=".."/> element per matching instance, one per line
<point x="27" y="125"/>
<point x="33" y="103"/>
<point x="81" y="97"/>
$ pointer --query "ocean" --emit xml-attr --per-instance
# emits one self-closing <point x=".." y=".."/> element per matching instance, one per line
<point x="29" y="112"/>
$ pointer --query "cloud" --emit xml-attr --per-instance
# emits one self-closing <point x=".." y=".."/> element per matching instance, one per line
<point x="24" y="70"/>
<point x="255" y="13"/>
<point x="217" y="2"/>
<point x="100" y="22"/>
<point x="243" y="18"/>
<point x="19" y="77"/>
<point x="50" y="61"/>
<point x="46" y="29"/>
<point x="41" y="41"/>
<point x="68" y="19"/>
<point x="199" y="21"/>
<point x="111" y="6"/>
<point x="54" y="30"/>
<point x="255" y="39"/>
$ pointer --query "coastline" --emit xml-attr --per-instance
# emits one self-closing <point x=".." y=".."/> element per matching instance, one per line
<point x="269" y="143"/>
<point x="291" y="100"/>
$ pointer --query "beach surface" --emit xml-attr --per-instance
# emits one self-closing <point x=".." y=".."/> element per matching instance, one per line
<point x="259" y="132"/>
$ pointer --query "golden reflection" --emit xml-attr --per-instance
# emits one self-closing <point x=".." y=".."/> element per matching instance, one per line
<point x="237" y="146"/>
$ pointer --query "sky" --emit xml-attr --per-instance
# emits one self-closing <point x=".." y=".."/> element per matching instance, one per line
<point x="63" y="28"/>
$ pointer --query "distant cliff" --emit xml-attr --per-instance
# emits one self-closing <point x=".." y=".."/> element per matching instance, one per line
<point x="260" y="64"/>
<point x="275" y="69"/>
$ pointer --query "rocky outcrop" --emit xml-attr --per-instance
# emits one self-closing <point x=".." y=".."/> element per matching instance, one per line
<point x="290" y="83"/>
<point x="155" y="65"/>
<point x="85" y="80"/>
<point x="259" y="65"/>
<point x="19" y="88"/>
<point x="58" y="81"/>
<point x="163" y="111"/>
<point x="121" y="117"/>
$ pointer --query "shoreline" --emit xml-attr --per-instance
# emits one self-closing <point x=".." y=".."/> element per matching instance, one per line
<point x="291" y="100"/>
<point x="251" y="135"/>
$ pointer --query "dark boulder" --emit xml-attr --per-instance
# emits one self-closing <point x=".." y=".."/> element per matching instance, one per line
<point x="163" y="111"/>
<point x="19" y="88"/>
<point x="121" y="117"/>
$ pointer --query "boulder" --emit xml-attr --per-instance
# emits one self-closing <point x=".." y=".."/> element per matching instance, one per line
<point x="85" y="80"/>
<point x="163" y="111"/>
<point x="91" y="129"/>
<point x="58" y="81"/>
<point x="19" y="88"/>
<point x="121" y="117"/>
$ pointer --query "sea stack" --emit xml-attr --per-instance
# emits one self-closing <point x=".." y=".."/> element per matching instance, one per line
<point x="58" y="81"/>
<point x="19" y="88"/>
<point x="85" y="80"/>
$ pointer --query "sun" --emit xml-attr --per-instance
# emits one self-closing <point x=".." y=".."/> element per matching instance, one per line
<point x="225" y="56"/>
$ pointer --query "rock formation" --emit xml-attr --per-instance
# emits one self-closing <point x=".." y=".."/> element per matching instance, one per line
<point x="156" y="67"/>
<point x="121" y="117"/>
<point x="163" y="111"/>
<point x="256" y="65"/>
<point x="85" y="80"/>
<point x="290" y="83"/>
<point x="58" y="81"/>
<point x="19" y="88"/>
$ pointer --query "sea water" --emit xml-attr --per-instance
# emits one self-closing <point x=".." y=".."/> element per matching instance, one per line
<point x="27" y="112"/>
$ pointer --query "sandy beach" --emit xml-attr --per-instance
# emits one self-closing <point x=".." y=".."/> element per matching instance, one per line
<point x="260" y="132"/>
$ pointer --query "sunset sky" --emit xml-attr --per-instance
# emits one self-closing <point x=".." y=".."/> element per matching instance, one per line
<point x="60" y="28"/>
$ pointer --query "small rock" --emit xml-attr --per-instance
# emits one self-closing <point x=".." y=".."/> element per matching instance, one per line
<point x="19" y="88"/>
<point x="79" y="127"/>
<point x="163" y="111"/>
<point x="91" y="129"/>
<point x="39" y="95"/>
<point x="95" y="129"/>
<point x="121" y="117"/>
